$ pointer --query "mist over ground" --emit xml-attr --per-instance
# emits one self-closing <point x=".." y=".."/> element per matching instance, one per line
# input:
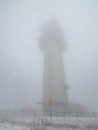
<point x="21" y="60"/>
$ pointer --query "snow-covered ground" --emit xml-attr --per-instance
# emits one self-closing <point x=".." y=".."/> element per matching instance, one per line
<point x="48" y="123"/>
<point x="29" y="120"/>
<point x="6" y="126"/>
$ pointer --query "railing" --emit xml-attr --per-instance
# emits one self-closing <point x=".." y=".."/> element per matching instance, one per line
<point x="35" y="119"/>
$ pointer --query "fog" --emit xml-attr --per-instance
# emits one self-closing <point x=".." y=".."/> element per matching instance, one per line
<point x="21" y="60"/>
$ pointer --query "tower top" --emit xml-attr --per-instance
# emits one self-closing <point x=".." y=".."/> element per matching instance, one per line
<point x="52" y="36"/>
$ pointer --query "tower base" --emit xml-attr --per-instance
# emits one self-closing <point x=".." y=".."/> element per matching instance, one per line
<point x="64" y="108"/>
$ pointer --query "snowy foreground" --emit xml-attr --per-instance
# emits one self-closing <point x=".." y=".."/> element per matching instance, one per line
<point x="6" y="126"/>
<point x="37" y="120"/>
<point x="54" y="123"/>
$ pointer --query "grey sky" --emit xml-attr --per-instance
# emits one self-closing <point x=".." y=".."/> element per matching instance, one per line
<point x="21" y="60"/>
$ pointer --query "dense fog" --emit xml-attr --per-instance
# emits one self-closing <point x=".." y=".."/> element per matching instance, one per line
<point x="21" y="59"/>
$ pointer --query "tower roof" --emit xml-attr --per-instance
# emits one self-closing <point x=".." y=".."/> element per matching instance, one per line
<point x="51" y="25"/>
<point x="51" y="35"/>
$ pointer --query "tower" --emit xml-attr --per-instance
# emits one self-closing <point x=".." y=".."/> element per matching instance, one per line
<point x="54" y="84"/>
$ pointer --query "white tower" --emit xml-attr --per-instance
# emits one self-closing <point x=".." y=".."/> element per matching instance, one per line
<point x="54" y="85"/>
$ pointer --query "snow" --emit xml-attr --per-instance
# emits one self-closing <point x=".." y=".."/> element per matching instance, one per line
<point x="50" y="123"/>
<point x="7" y="126"/>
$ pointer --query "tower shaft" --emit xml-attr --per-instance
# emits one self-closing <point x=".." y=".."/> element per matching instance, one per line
<point x="54" y="86"/>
